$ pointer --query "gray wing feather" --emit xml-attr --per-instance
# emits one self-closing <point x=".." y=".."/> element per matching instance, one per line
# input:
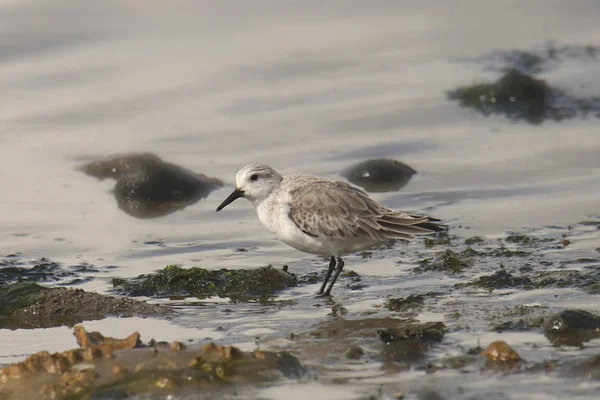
<point x="323" y="208"/>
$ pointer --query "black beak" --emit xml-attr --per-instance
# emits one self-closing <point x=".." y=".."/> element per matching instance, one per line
<point x="236" y="194"/>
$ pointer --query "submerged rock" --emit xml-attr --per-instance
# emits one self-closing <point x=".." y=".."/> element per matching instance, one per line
<point x="240" y="285"/>
<point x="429" y="332"/>
<point x="119" y="368"/>
<point x="410" y="342"/>
<point x="379" y="175"/>
<point x="571" y="327"/>
<point x="408" y="339"/>
<point x="521" y="97"/>
<point x="148" y="187"/>
<point x="29" y="306"/>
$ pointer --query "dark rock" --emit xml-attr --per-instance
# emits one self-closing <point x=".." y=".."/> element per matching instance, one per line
<point x="148" y="187"/>
<point x="241" y="285"/>
<point x="571" y="327"/>
<point x="379" y="175"/>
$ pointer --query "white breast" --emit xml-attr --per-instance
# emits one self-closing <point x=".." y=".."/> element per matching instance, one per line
<point x="275" y="217"/>
<point x="274" y="213"/>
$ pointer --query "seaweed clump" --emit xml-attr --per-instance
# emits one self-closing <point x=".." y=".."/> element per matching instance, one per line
<point x="447" y="261"/>
<point x="177" y="282"/>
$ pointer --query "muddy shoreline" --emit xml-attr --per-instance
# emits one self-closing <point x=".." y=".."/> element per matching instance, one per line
<point x="391" y="338"/>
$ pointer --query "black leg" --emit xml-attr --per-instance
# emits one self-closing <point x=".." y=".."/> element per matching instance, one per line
<point x="340" y="267"/>
<point x="329" y="271"/>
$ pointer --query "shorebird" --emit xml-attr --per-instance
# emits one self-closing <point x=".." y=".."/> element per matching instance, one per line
<point x="319" y="216"/>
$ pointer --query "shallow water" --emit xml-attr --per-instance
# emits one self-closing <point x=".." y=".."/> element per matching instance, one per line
<point x="305" y="87"/>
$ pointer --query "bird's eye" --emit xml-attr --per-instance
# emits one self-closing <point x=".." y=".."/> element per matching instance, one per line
<point x="254" y="177"/>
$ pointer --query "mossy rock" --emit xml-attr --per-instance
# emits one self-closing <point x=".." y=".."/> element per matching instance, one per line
<point x="177" y="282"/>
<point x="448" y="261"/>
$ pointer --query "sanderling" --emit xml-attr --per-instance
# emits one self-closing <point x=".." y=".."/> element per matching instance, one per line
<point x="320" y="216"/>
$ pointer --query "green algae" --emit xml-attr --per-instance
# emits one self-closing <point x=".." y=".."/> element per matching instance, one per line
<point x="177" y="282"/>
<point x="448" y="261"/>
